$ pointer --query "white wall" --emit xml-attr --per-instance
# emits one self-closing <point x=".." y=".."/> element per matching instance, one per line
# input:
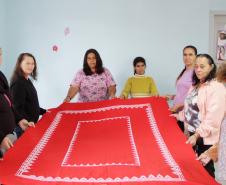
<point x="2" y="19"/>
<point x="119" y="30"/>
<point x="217" y="5"/>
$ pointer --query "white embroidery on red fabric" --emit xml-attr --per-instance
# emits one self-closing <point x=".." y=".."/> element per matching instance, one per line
<point x="163" y="148"/>
<point x="102" y="180"/>
<point x="40" y="146"/>
<point x="131" y="138"/>
<point x="26" y="165"/>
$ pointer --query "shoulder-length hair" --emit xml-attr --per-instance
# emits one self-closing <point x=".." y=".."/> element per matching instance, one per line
<point x="212" y="73"/>
<point x="195" y="51"/>
<point x="99" y="63"/>
<point x="18" y="72"/>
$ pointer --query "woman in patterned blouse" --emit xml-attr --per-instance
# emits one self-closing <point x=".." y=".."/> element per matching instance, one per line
<point x="94" y="82"/>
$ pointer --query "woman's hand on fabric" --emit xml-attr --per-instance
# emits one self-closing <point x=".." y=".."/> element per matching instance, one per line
<point x="23" y="124"/>
<point x="122" y="97"/>
<point x="72" y="91"/>
<point x="48" y="110"/>
<point x="31" y="124"/>
<point x="112" y="97"/>
<point x="204" y="158"/>
<point x="67" y="99"/>
<point x="192" y="140"/>
<point x="175" y="115"/>
<point x="176" y="108"/>
<point x="6" y="143"/>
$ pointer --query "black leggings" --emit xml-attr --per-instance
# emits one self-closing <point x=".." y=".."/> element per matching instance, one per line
<point x="181" y="125"/>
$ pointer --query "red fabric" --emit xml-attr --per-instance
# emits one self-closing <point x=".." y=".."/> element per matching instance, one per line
<point x="111" y="142"/>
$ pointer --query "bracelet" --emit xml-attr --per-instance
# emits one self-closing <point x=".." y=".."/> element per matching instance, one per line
<point x="69" y="97"/>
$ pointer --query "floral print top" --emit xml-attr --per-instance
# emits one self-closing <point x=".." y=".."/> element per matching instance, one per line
<point x="191" y="110"/>
<point x="93" y="87"/>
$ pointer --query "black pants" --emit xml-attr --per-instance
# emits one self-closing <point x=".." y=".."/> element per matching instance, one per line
<point x="199" y="148"/>
<point x="181" y="125"/>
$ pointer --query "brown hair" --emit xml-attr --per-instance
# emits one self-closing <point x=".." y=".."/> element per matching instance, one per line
<point x="212" y="73"/>
<point x="195" y="51"/>
<point x="221" y="72"/>
<point x="18" y="71"/>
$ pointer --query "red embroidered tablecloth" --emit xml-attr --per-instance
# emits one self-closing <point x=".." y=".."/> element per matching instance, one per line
<point x="111" y="142"/>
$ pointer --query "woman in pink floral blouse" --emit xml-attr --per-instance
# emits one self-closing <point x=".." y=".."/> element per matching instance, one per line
<point x="93" y="82"/>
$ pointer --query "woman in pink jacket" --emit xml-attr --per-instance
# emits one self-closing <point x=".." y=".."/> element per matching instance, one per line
<point x="218" y="151"/>
<point x="204" y="108"/>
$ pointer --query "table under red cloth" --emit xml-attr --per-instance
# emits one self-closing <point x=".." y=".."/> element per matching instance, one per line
<point x="110" y="142"/>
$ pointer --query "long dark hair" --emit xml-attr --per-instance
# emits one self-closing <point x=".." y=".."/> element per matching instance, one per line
<point x="187" y="47"/>
<point x="138" y="60"/>
<point x="18" y="72"/>
<point x="212" y="73"/>
<point x="99" y="63"/>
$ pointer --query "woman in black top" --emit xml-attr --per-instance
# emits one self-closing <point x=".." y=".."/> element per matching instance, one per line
<point x="24" y="95"/>
<point x="7" y="120"/>
<point x="9" y="130"/>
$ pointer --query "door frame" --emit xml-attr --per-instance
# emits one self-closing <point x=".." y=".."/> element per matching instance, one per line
<point x="212" y="34"/>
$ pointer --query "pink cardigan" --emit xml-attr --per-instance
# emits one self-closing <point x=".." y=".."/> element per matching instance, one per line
<point x="212" y="106"/>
